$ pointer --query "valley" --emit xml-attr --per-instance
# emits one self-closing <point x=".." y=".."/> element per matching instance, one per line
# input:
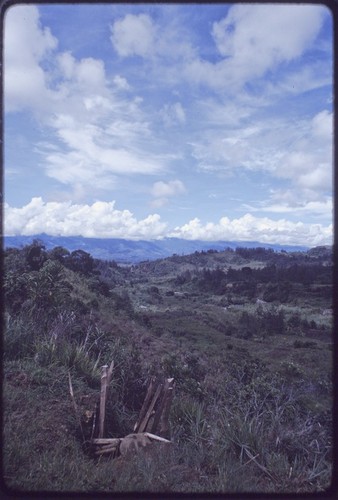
<point x="246" y="333"/>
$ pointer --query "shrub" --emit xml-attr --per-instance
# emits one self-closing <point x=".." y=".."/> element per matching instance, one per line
<point x="18" y="339"/>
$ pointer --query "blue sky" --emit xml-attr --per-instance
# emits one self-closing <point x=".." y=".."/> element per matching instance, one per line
<point x="140" y="121"/>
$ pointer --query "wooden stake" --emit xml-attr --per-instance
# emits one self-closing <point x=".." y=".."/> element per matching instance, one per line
<point x="149" y="395"/>
<point x="103" y="397"/>
<point x="164" y="419"/>
<point x="110" y="372"/>
<point x="162" y="404"/>
<point x="144" y="423"/>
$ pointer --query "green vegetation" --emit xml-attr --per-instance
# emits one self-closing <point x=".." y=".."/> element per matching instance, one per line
<point x="245" y="333"/>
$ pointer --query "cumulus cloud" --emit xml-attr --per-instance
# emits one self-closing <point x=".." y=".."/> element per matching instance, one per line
<point x="87" y="73"/>
<point x="133" y="35"/>
<point x="250" y="228"/>
<point x="101" y="219"/>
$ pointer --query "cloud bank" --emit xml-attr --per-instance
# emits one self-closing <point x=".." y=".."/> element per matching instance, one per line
<point x="103" y="220"/>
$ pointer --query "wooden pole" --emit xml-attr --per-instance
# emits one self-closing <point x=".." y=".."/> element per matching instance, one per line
<point x="110" y="372"/>
<point x="149" y="395"/>
<point x="103" y="398"/>
<point x="159" y="409"/>
<point x="144" y="422"/>
<point x="164" y="428"/>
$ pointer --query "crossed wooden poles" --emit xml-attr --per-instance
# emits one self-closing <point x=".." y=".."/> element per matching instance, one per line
<point x="152" y="424"/>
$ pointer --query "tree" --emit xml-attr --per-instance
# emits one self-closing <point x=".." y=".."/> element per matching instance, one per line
<point x="35" y="255"/>
<point x="80" y="261"/>
<point x="58" y="253"/>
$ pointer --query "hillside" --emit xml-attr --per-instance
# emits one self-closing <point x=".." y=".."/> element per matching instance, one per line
<point x="129" y="251"/>
<point x="245" y="332"/>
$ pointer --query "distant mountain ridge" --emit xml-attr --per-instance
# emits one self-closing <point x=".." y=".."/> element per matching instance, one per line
<point x="131" y="251"/>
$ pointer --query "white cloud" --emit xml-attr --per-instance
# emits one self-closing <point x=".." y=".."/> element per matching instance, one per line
<point x="302" y="79"/>
<point x="243" y="36"/>
<point x="88" y="73"/>
<point x="101" y="219"/>
<point x="298" y="153"/>
<point x="121" y="83"/>
<point x="133" y="35"/>
<point x="91" y="154"/>
<point x="170" y="188"/>
<point x="286" y="201"/>
<point x="162" y="42"/>
<point x="173" y="114"/>
<point x="94" y="127"/>
<point x="322" y="126"/>
<point x="162" y="191"/>
<point x="250" y="228"/>
<point x="26" y="44"/>
<point x="92" y="134"/>
<point x="254" y="39"/>
<point x="309" y="161"/>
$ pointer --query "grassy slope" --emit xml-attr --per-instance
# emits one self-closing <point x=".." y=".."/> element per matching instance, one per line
<point x="249" y="414"/>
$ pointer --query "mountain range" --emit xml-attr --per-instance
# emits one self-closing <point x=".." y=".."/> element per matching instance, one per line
<point x="131" y="251"/>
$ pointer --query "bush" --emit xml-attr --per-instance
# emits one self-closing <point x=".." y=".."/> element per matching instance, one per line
<point x="18" y="339"/>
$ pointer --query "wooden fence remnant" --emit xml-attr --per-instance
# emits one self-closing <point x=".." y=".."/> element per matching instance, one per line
<point x="152" y="425"/>
<point x="154" y="415"/>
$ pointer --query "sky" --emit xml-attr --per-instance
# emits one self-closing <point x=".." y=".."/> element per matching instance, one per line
<point x="136" y="121"/>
